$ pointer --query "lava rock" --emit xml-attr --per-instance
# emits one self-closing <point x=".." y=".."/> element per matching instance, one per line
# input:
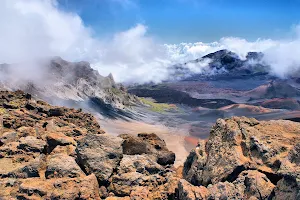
<point x="99" y="154"/>
<point x="62" y="165"/>
<point x="31" y="143"/>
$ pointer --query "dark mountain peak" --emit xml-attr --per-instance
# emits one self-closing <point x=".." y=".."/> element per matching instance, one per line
<point x="224" y="53"/>
<point x="230" y="61"/>
<point x="224" y="64"/>
<point x="254" y="55"/>
<point x="225" y="56"/>
<point x="224" y="59"/>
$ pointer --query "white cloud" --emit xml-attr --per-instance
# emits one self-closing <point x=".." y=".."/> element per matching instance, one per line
<point x="37" y="28"/>
<point x="284" y="56"/>
<point x="134" y="56"/>
<point x="190" y="51"/>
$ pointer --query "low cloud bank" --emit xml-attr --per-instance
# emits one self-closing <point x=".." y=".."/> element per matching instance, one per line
<point x="36" y="29"/>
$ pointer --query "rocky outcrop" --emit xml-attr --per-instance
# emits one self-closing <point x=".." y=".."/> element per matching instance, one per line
<point x="37" y="150"/>
<point x="140" y="171"/>
<point x="49" y="152"/>
<point x="63" y="154"/>
<point x="125" y="169"/>
<point x="247" y="159"/>
<point x="250" y="184"/>
<point x="255" y="185"/>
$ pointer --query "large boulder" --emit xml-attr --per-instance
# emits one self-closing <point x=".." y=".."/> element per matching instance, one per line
<point x="10" y="136"/>
<point x="255" y="184"/>
<point x="62" y="165"/>
<point x="287" y="189"/>
<point x="245" y="158"/>
<point x="289" y="186"/>
<point x="123" y="184"/>
<point x="187" y="191"/>
<point x="31" y="144"/>
<point x="225" y="190"/>
<point x="140" y="175"/>
<point x="85" y="188"/>
<point x="55" y="139"/>
<point x="139" y="163"/>
<point x="148" y="143"/>
<point x="134" y="145"/>
<point x="21" y="166"/>
<point x="99" y="154"/>
<point x="126" y="183"/>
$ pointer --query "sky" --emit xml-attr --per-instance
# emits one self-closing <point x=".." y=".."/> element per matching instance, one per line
<point x="174" y="21"/>
<point x="138" y="40"/>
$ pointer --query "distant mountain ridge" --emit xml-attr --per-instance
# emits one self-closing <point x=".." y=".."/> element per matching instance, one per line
<point x="222" y="62"/>
<point x="63" y="80"/>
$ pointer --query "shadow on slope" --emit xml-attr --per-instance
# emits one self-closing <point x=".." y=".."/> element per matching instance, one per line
<point x="108" y="111"/>
<point x="163" y="94"/>
<point x="97" y="106"/>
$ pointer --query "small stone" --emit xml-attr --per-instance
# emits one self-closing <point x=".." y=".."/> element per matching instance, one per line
<point x="32" y="144"/>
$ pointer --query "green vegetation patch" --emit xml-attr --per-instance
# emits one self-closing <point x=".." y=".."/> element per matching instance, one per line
<point x="158" y="107"/>
<point x="15" y="103"/>
<point x="116" y="91"/>
<point x="3" y="111"/>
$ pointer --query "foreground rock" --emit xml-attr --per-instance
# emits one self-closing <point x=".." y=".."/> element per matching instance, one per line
<point x="100" y="154"/>
<point x="148" y="144"/>
<point x="37" y="145"/>
<point x="38" y="188"/>
<point x="49" y="152"/>
<point x="270" y="150"/>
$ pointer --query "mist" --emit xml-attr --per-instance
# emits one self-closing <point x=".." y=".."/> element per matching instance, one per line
<point x="37" y="29"/>
<point x="284" y="57"/>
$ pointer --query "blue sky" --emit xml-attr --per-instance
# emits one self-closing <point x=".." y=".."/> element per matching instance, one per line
<point x="174" y="21"/>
